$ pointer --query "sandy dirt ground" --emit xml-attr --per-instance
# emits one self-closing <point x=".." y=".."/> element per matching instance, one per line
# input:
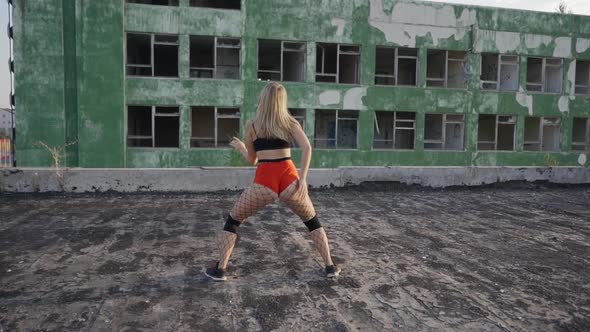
<point x="511" y="257"/>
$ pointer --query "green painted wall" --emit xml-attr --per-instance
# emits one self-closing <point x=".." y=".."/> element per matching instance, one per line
<point x="71" y="85"/>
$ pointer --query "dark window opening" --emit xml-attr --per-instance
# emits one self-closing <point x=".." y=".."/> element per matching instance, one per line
<point x="155" y="2"/>
<point x="202" y="57"/>
<point x="214" y="57"/>
<point x="214" y="126"/>
<point x="396" y="66"/>
<point x="446" y="69"/>
<point x="394" y="130"/>
<point x="152" y="55"/>
<point x="496" y="132"/>
<point x="582" y="77"/>
<point x="336" y="129"/>
<point x="444" y="132"/>
<point x="544" y="74"/>
<point x="219" y="4"/>
<point x="139" y="58"/>
<point x="581" y="134"/>
<point x="149" y="126"/>
<point x="338" y="63"/>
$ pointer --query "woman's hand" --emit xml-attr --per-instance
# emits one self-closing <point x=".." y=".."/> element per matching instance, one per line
<point x="301" y="192"/>
<point x="237" y="144"/>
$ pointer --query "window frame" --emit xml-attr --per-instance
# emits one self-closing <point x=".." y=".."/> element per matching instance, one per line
<point x="336" y="124"/>
<point x="541" y="127"/>
<point x="544" y="67"/>
<point x="338" y="53"/>
<point x="586" y="144"/>
<point x="152" y="54"/>
<point x="216" y="46"/>
<point x="395" y="128"/>
<point x="396" y="58"/>
<point x="445" y="80"/>
<point x="498" y="81"/>
<point x="283" y="50"/>
<point x="497" y="122"/>
<point x="443" y="140"/>
<point x="153" y="117"/>
<point x="216" y="117"/>
<point x="576" y="78"/>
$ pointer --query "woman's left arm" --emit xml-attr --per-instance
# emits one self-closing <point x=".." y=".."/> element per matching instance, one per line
<point x="246" y="148"/>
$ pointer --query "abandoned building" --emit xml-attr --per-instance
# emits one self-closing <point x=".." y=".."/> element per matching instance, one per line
<point x="167" y="83"/>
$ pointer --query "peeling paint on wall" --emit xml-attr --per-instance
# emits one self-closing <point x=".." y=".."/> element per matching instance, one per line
<point x="563" y="47"/>
<point x="582" y="159"/>
<point x="330" y="97"/>
<point x="564" y="104"/>
<point x="582" y="45"/>
<point x="525" y="100"/>
<point x="506" y="41"/>
<point x="353" y="99"/>
<point x="339" y="23"/>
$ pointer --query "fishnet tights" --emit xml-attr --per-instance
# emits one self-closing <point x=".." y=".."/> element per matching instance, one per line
<point x="300" y="205"/>
<point x="320" y="240"/>
<point x="225" y="243"/>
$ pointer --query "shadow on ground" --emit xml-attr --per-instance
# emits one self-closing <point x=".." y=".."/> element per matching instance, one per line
<point x="498" y="258"/>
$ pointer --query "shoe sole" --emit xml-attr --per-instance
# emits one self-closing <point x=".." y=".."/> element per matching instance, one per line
<point x="333" y="275"/>
<point x="215" y="278"/>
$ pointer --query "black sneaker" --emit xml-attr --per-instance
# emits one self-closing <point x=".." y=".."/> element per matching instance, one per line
<point x="332" y="271"/>
<point x="215" y="273"/>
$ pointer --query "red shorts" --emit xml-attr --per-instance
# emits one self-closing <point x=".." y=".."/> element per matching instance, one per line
<point x="276" y="175"/>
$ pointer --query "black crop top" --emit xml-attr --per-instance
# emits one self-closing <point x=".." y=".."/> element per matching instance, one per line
<point x="269" y="143"/>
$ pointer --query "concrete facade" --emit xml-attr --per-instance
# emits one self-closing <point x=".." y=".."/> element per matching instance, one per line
<point x="72" y="86"/>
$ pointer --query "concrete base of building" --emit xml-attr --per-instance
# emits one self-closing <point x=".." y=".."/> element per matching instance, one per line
<point x="203" y="179"/>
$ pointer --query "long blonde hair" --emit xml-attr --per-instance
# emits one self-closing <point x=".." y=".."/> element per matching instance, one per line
<point x="272" y="118"/>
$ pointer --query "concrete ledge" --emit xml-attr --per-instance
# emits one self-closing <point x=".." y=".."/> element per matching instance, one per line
<point x="204" y="179"/>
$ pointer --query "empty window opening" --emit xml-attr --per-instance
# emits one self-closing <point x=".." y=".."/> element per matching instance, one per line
<point x="446" y="69"/>
<point x="281" y="61"/>
<point x="544" y="74"/>
<point x="496" y="132"/>
<point x="152" y="55"/>
<point x="541" y="134"/>
<point x="338" y="63"/>
<point x="153" y="126"/>
<point x="394" y="130"/>
<point x="581" y="134"/>
<point x="213" y="127"/>
<point x="155" y="2"/>
<point x="499" y="72"/>
<point x="336" y="129"/>
<point x="582" y="77"/>
<point x="299" y="115"/>
<point x="220" y="4"/>
<point x="444" y="132"/>
<point x="214" y="57"/>
<point x="396" y="66"/>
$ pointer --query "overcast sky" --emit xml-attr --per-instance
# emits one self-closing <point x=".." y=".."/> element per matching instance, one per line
<point x="577" y="6"/>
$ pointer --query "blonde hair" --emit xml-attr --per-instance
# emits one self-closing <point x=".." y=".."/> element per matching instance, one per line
<point x="272" y="118"/>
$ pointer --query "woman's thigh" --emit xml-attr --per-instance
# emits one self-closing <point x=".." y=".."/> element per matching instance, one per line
<point x="251" y="200"/>
<point x="300" y="205"/>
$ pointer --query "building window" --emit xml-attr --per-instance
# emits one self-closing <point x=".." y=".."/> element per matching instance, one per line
<point x="496" y="132"/>
<point x="299" y="115"/>
<point x="446" y="69"/>
<point x="152" y="55"/>
<point x="338" y="63"/>
<point x="544" y="74"/>
<point x="396" y="66"/>
<point x="213" y="127"/>
<point x="281" y="60"/>
<point x="541" y="134"/>
<point x="499" y="72"/>
<point x="219" y="4"/>
<point x="336" y="129"/>
<point x="155" y="2"/>
<point x="214" y="57"/>
<point x="153" y="126"/>
<point x="394" y="130"/>
<point x="582" y="77"/>
<point x="444" y="131"/>
<point x="581" y="134"/>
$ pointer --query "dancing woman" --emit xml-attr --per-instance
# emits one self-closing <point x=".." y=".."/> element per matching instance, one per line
<point x="267" y="143"/>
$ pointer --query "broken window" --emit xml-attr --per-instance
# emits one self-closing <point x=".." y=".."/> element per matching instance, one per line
<point x="446" y="69"/>
<point x="338" y="63"/>
<point x="214" y="57"/>
<point x="499" y="72"/>
<point x="396" y="66"/>
<point x="152" y="55"/>
<point x="581" y="134"/>
<point x="544" y="74"/>
<point x="156" y="2"/>
<point x="220" y="4"/>
<point x="153" y="126"/>
<point x="444" y="131"/>
<point x="582" y="77"/>
<point x="336" y="129"/>
<point x="281" y="61"/>
<point x="213" y="127"/>
<point x="394" y="130"/>
<point x="299" y="115"/>
<point x="496" y="132"/>
<point x="541" y="134"/>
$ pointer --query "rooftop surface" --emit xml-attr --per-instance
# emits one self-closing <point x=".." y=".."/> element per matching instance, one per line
<point x="500" y="258"/>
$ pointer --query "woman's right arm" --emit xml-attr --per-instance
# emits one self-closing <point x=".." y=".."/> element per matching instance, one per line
<point x="303" y="142"/>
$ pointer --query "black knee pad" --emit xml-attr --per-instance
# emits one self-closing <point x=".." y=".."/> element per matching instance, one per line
<point x="231" y="225"/>
<point x="313" y="224"/>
